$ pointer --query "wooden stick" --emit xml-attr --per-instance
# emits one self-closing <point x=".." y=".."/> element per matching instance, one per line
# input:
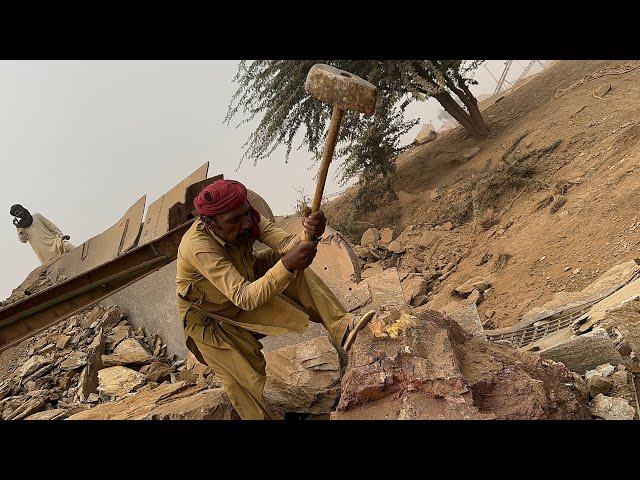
<point x="327" y="155"/>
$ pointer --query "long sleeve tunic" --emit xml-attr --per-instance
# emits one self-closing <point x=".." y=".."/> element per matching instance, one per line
<point x="45" y="238"/>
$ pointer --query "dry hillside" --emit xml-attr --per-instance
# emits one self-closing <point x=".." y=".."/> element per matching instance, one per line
<point x="547" y="203"/>
<point x="554" y="187"/>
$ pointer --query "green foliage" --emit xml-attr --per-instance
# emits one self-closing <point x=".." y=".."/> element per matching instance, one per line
<point x="366" y="147"/>
<point x="371" y="155"/>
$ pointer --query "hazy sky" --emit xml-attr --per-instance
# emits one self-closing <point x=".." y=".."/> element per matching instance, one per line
<point x="80" y="141"/>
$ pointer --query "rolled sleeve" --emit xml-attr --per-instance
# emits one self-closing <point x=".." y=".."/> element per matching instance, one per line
<point x="277" y="238"/>
<point x="246" y="295"/>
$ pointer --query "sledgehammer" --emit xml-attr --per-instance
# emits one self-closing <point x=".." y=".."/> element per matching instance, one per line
<point x="343" y="91"/>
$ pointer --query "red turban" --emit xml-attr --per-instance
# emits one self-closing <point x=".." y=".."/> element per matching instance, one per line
<point x="223" y="196"/>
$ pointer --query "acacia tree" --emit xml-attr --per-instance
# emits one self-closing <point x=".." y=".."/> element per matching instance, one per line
<point x="442" y="78"/>
<point x="275" y="89"/>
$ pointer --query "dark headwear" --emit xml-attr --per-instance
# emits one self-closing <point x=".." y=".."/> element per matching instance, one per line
<point x="14" y="209"/>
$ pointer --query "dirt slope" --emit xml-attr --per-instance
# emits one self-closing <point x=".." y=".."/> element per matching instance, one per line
<point x="593" y="167"/>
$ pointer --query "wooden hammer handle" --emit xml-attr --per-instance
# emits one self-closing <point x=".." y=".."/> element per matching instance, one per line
<point x="327" y="155"/>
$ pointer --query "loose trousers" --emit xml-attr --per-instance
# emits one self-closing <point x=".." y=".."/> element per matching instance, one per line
<point x="235" y="354"/>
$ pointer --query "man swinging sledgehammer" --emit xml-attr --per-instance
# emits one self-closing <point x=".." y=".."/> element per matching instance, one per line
<point x="230" y="296"/>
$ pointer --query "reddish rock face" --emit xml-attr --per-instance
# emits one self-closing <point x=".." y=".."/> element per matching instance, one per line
<point x="421" y="365"/>
<point x="517" y="385"/>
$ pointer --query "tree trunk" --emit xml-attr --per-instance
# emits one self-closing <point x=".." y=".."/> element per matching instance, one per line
<point x="390" y="188"/>
<point x="474" y="125"/>
<point x="472" y="106"/>
<point x="473" y="121"/>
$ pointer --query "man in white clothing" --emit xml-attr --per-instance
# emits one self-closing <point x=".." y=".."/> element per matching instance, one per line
<point x="47" y="241"/>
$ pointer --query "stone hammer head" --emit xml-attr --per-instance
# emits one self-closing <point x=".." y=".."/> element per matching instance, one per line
<point x="341" y="89"/>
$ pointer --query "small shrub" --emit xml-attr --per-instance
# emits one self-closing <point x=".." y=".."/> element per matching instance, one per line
<point x="372" y="193"/>
<point x="457" y="212"/>
<point x="515" y="172"/>
<point x="543" y="203"/>
<point x="562" y="188"/>
<point x="488" y="219"/>
<point x="557" y="204"/>
<point x="374" y="201"/>
<point x="501" y="262"/>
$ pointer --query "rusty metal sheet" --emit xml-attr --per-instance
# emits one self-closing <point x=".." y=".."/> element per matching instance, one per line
<point x="156" y="223"/>
<point x="336" y="263"/>
<point x="183" y="212"/>
<point x="100" y="249"/>
<point x="37" y="312"/>
<point x="260" y="204"/>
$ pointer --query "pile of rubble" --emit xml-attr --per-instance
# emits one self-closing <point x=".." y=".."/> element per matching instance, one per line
<point x="414" y="253"/>
<point x="604" y="316"/>
<point x="38" y="280"/>
<point x="611" y="391"/>
<point x="92" y="358"/>
<point x="95" y="365"/>
<point x="594" y="332"/>
<point x="408" y="363"/>
<point x="606" y="357"/>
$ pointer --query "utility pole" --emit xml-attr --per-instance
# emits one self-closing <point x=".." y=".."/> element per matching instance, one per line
<point x="503" y="77"/>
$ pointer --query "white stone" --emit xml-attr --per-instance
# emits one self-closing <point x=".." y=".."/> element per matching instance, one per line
<point x="118" y="381"/>
<point x="427" y="134"/>
<point x="612" y="408"/>
<point x="605" y="370"/>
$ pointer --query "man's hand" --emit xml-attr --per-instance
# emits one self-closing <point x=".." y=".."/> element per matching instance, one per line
<point x="66" y="237"/>
<point x="314" y="224"/>
<point x="300" y="256"/>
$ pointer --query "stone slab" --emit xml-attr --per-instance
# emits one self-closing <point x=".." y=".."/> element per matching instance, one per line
<point x="584" y="352"/>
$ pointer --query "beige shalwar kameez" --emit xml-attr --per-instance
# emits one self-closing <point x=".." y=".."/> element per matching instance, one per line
<point x="45" y="239"/>
<point x="230" y="296"/>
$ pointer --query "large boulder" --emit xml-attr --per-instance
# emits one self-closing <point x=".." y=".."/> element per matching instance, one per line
<point x="303" y="378"/>
<point x="419" y="364"/>
<point x="465" y="314"/>
<point x="585" y="352"/>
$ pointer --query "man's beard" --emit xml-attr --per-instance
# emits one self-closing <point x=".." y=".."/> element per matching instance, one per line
<point x="244" y="237"/>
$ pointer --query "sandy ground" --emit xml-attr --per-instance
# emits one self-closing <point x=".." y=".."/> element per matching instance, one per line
<point x="598" y="159"/>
